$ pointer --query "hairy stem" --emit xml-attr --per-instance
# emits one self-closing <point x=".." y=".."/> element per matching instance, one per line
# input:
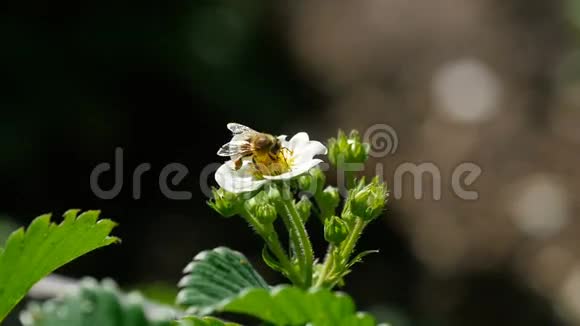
<point x="326" y="267"/>
<point x="272" y="240"/>
<point x="348" y="245"/>
<point x="298" y="238"/>
<point x="273" y="243"/>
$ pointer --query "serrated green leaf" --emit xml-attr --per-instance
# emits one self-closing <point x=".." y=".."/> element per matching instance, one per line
<point x="223" y="280"/>
<point x="28" y="256"/>
<point x="6" y="227"/>
<point x="286" y="305"/>
<point x="214" y="276"/>
<point x="203" y="321"/>
<point x="96" y="304"/>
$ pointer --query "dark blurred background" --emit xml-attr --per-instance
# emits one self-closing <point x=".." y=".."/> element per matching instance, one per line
<point x="492" y="82"/>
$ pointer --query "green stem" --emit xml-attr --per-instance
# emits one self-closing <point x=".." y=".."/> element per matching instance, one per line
<point x="343" y="252"/>
<point x="326" y="267"/>
<point x="275" y="246"/>
<point x="298" y="238"/>
<point x="258" y="227"/>
<point x="272" y="240"/>
<point x="348" y="245"/>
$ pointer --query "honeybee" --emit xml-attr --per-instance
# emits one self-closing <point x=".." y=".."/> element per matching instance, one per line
<point x="264" y="149"/>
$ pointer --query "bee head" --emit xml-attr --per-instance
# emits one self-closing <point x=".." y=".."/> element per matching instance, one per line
<point x="276" y="146"/>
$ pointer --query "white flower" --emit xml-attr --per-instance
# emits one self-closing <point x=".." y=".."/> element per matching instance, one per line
<point x="299" y="153"/>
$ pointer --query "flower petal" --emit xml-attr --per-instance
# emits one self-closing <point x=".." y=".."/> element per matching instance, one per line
<point x="237" y="181"/>
<point x="297" y="140"/>
<point x="306" y="152"/>
<point x="296" y="170"/>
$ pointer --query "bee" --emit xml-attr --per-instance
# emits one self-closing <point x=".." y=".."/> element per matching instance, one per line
<point x="264" y="149"/>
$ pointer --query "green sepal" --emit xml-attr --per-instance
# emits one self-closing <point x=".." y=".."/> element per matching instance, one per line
<point x="271" y="261"/>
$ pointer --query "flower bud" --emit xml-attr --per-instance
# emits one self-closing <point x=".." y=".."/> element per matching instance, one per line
<point x="265" y="213"/>
<point x="335" y="230"/>
<point x="312" y="182"/>
<point x="347" y="149"/>
<point x="259" y="207"/>
<point x="303" y="207"/>
<point x="359" y="150"/>
<point x="273" y="194"/>
<point x="329" y="199"/>
<point x="224" y="202"/>
<point x="368" y="201"/>
<point x="305" y="182"/>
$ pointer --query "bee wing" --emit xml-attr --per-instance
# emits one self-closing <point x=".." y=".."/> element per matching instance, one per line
<point x="235" y="148"/>
<point x="241" y="132"/>
<point x="238" y="129"/>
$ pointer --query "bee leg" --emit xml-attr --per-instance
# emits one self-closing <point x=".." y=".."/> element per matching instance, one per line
<point x="284" y="156"/>
<point x="288" y="150"/>
<point x="255" y="164"/>
<point x="238" y="163"/>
